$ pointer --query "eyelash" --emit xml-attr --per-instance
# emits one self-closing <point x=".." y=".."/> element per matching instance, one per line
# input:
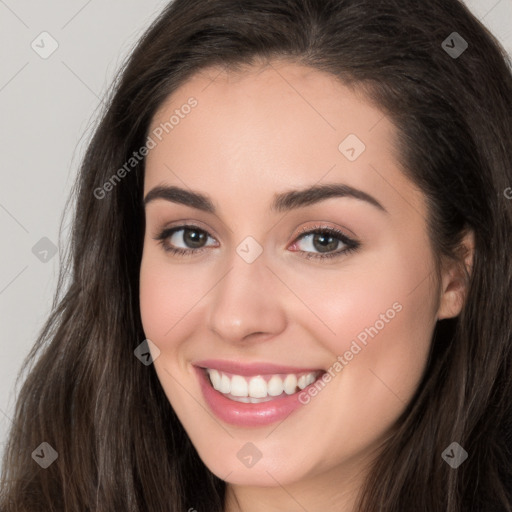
<point x="352" y="245"/>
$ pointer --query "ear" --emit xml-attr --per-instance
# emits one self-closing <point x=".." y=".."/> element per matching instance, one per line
<point x="454" y="281"/>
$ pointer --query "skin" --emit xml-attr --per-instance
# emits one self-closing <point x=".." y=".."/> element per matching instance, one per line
<point x="265" y="130"/>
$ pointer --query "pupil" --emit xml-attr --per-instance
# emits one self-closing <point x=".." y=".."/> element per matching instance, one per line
<point x="325" y="242"/>
<point x="193" y="237"/>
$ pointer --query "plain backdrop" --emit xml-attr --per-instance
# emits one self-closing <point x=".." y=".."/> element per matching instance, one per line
<point x="48" y="108"/>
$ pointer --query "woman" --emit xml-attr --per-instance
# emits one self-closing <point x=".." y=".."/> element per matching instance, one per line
<point x="290" y="272"/>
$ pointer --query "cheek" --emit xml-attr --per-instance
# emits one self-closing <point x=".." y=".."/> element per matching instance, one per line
<point x="156" y="301"/>
<point x="384" y="334"/>
<point x="382" y="308"/>
<point x="381" y="315"/>
<point x="383" y="294"/>
<point x="383" y="319"/>
<point x="167" y="294"/>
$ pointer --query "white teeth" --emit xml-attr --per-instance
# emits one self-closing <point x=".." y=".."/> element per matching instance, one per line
<point x="257" y="389"/>
<point x="310" y="378"/>
<point x="215" y="378"/>
<point x="290" y="384"/>
<point x="301" y="382"/>
<point x="275" y="386"/>
<point x="225" y="384"/>
<point x="239" y="386"/>
<point x="249" y="399"/>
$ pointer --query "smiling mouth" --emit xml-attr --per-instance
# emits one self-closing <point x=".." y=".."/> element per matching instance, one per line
<point x="259" y="388"/>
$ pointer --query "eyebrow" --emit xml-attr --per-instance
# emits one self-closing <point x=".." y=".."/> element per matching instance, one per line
<point x="282" y="202"/>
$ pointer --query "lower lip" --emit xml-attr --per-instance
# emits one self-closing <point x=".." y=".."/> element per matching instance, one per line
<point x="247" y="415"/>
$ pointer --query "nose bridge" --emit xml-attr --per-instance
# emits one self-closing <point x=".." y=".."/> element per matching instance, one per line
<point x="246" y="300"/>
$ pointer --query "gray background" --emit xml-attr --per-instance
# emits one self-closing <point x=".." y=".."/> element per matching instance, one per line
<point x="48" y="109"/>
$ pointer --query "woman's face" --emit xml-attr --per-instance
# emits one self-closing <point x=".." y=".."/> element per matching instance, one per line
<point x="252" y="289"/>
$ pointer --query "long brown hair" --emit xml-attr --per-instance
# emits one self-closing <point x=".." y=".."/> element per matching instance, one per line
<point x="120" y="445"/>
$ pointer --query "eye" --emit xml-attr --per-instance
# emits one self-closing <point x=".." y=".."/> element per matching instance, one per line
<point x="192" y="239"/>
<point x="325" y="240"/>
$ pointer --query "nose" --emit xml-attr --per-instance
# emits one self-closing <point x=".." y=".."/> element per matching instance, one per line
<point x="247" y="303"/>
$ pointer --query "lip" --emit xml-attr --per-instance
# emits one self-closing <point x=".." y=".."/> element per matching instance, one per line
<point x="251" y="369"/>
<point x="248" y="414"/>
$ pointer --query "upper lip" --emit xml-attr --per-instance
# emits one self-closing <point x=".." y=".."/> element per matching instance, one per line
<point x="249" y="369"/>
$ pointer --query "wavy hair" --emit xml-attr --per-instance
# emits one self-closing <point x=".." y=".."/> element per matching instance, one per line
<point x="120" y="445"/>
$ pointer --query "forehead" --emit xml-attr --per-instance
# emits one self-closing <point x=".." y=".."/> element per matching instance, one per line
<point x="271" y="127"/>
<point x="277" y="94"/>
